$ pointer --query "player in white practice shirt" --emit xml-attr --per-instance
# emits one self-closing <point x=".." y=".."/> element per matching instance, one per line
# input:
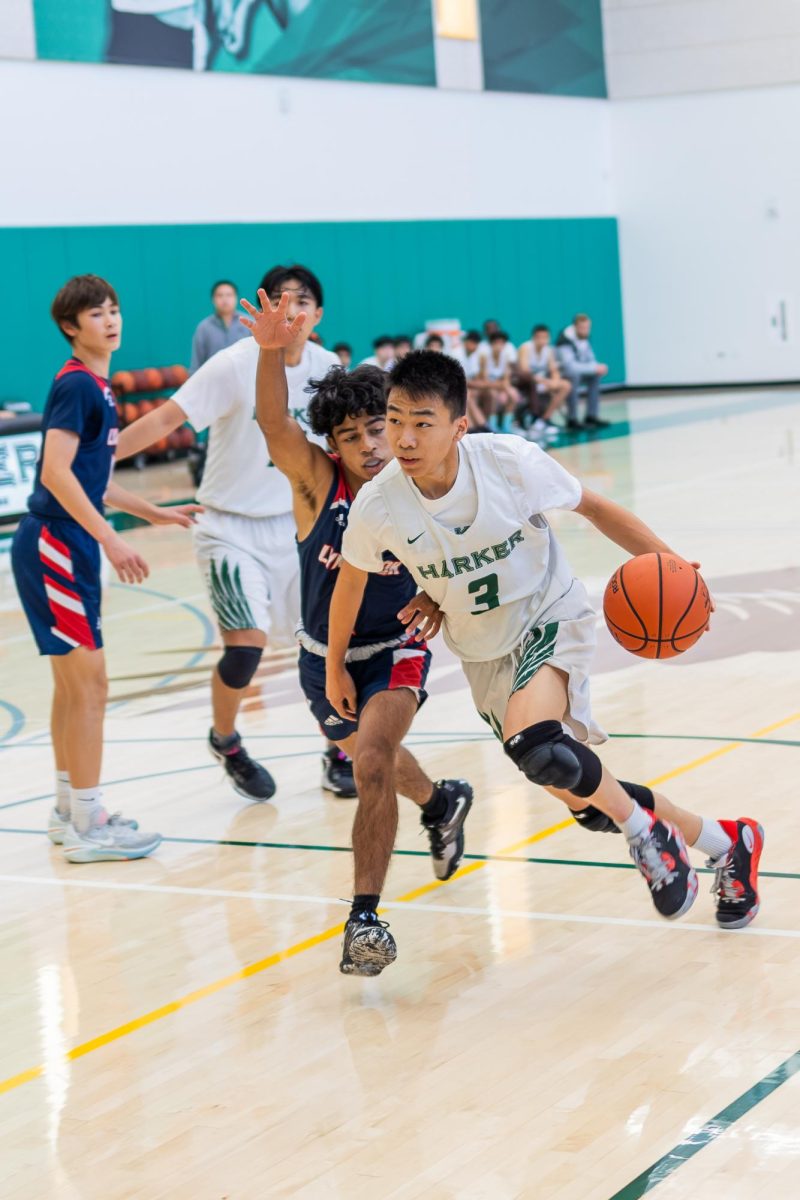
<point x="465" y="517"/>
<point x="245" y="541"/>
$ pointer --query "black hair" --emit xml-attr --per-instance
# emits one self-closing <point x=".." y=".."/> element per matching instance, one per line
<point x="425" y="373"/>
<point x="385" y="340"/>
<point x="541" y="329"/>
<point x="472" y="335"/>
<point x="78" y="295"/>
<point x="224" y="283"/>
<point x="402" y="337"/>
<point x="342" y="393"/>
<point x="499" y="335"/>
<point x="277" y="277"/>
<point x="433" y="337"/>
<point x="490" y="321"/>
<point x="342" y="346"/>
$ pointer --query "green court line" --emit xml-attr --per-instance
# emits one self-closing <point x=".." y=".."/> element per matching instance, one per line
<point x="713" y="1129"/>
<point x="510" y="858"/>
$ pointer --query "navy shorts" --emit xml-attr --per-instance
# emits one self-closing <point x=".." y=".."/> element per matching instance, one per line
<point x="403" y="667"/>
<point x="56" y="566"/>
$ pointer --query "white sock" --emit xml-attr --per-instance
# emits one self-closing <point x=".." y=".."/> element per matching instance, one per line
<point x="637" y="824"/>
<point x="713" y="839"/>
<point x="62" y="793"/>
<point x="84" y="803"/>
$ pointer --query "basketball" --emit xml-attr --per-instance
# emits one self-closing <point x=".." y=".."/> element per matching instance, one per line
<point x="122" y="381"/>
<point x="174" y="376"/>
<point x="656" y="605"/>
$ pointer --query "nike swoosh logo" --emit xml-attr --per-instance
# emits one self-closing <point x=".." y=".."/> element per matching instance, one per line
<point x="416" y="539"/>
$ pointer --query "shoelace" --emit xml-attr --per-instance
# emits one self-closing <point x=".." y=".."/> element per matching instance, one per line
<point x="723" y="885"/>
<point x="118" y="819"/>
<point x="656" y="870"/>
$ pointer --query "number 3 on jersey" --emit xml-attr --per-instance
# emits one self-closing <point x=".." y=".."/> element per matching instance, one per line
<point x="485" y="590"/>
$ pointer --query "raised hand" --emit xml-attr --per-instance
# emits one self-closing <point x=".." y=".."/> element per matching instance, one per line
<point x="177" y="514"/>
<point x="270" y="326"/>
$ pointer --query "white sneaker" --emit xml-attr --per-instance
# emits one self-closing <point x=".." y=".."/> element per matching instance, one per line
<point x="57" y="827"/>
<point x="107" y="839"/>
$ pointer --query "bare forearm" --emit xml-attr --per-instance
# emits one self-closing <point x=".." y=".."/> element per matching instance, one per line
<point x="69" y="493"/>
<point x="120" y="498"/>
<point x="622" y="527"/>
<point x="150" y="429"/>
<point x="272" y="391"/>
<point x="345" y="604"/>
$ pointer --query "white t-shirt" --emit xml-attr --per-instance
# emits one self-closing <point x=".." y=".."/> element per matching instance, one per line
<point x="221" y="396"/>
<point x="472" y="363"/>
<point x="509" y="354"/>
<point x="484" y="549"/>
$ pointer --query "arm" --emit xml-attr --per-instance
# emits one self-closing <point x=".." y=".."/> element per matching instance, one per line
<point x="147" y="430"/>
<point x="198" y="351"/>
<point x="60" y="448"/>
<point x="304" y="463"/>
<point x="173" y="514"/>
<point x="346" y="601"/>
<point x="619" y="525"/>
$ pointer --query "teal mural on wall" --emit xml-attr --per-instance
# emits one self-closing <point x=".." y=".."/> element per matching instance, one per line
<point x="549" y="46"/>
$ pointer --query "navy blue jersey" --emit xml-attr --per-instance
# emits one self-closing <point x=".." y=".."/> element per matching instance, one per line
<point x="320" y="556"/>
<point x="83" y="403"/>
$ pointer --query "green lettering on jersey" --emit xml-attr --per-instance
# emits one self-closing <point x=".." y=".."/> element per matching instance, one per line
<point x="428" y="572"/>
<point x="482" y="558"/>
<point x="462" y="564"/>
<point x="515" y="539"/>
<point x="501" y="550"/>
<point x="443" y="571"/>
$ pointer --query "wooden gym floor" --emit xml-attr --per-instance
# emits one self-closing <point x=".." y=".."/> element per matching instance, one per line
<point x="177" y="1028"/>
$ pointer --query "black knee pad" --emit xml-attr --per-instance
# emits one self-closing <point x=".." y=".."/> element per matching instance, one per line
<point x="551" y="758"/>
<point x="641" y="794"/>
<point x="595" y="821"/>
<point x="238" y="665"/>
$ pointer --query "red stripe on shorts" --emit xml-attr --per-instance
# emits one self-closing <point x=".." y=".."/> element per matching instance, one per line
<point x="67" y="620"/>
<point x="407" y="671"/>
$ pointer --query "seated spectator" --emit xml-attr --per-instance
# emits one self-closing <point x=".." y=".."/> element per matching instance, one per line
<point x="537" y="367"/>
<point x="583" y="371"/>
<point x="222" y="328"/>
<point x="345" y="352"/>
<point x="383" y="356"/>
<point x="434" y="342"/>
<point x="402" y="346"/>
<point x="490" y="327"/>
<point x="495" y="393"/>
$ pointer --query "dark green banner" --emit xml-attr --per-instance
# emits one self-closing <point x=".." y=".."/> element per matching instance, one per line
<point x="549" y="46"/>
<point x="381" y="41"/>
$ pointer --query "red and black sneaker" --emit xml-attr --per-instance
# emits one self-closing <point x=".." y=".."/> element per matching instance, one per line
<point x="736" y="874"/>
<point x="662" y="858"/>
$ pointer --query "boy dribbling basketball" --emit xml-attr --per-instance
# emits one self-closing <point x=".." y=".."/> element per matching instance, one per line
<point x="56" y="562"/>
<point x="464" y="516"/>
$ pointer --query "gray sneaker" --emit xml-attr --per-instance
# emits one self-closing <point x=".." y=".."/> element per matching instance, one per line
<point x="368" y="946"/>
<point x="108" y="838"/>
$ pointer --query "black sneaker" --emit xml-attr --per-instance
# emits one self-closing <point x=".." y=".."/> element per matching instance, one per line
<point x="596" y="423"/>
<point x="446" y="835"/>
<point x="248" y="778"/>
<point x="337" y="774"/>
<point x="368" y="946"/>
<point x="736" y="876"/>
<point x="573" y="425"/>
<point x="662" y="858"/>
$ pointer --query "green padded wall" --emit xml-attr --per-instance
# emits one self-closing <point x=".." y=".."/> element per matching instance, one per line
<point x="379" y="277"/>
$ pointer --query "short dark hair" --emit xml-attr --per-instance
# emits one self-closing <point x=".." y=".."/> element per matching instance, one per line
<point x="224" y="283"/>
<point x="78" y="294"/>
<point x="342" y="393"/>
<point x="426" y="373"/>
<point x="499" y="335"/>
<point x="277" y="277"/>
<point x="385" y="340"/>
<point x="472" y="335"/>
<point x="433" y="337"/>
<point x="402" y="337"/>
<point x="541" y="329"/>
<point x="342" y="346"/>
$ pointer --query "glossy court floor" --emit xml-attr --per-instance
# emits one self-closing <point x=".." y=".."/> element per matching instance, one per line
<point x="177" y="1028"/>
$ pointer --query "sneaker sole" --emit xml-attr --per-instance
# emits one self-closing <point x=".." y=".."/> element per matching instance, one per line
<point x="336" y="791"/>
<point x="691" y="896"/>
<point x="371" y="958"/>
<point x="456" y="862"/>
<point x="220" y="758"/>
<point x="56" y="836"/>
<point x="88" y="854"/>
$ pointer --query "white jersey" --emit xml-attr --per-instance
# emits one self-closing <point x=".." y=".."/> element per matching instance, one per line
<point x="483" y="551"/>
<point x="540" y="362"/>
<point x="509" y="352"/>
<point x="239" y="476"/>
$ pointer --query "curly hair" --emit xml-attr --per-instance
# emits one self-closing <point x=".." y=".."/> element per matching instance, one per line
<point x="342" y="393"/>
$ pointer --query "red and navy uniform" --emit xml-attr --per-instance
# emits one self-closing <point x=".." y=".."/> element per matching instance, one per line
<point x="56" y="562"/>
<point x="397" y="661"/>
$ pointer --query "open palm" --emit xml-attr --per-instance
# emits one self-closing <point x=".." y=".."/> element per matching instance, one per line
<point x="270" y="326"/>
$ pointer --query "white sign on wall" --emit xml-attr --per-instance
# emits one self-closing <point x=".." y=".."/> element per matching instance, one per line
<point x="19" y="454"/>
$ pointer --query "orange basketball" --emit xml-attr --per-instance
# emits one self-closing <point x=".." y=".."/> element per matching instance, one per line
<point x="656" y="605"/>
<point x="174" y="376"/>
<point x="131" y="412"/>
<point x="145" y="406"/>
<point x="122" y="381"/>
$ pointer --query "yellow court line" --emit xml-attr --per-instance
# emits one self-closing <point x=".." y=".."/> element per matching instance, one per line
<point x="263" y="964"/>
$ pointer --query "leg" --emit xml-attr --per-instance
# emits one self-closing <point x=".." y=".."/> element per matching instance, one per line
<point x="592" y="384"/>
<point x="226" y="697"/>
<point x="535" y="741"/>
<point x="572" y="396"/>
<point x="81" y="682"/>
